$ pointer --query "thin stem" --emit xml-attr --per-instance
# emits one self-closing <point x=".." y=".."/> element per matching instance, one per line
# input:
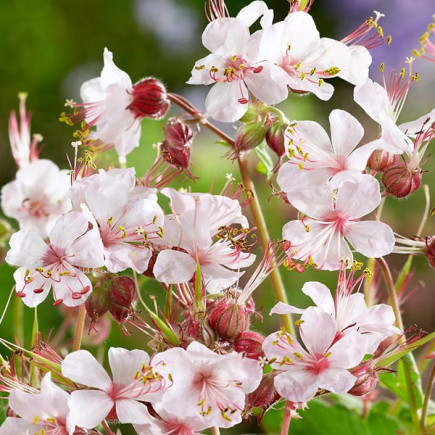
<point x="275" y="276"/>
<point x="427" y="394"/>
<point x="394" y="302"/>
<point x="107" y="428"/>
<point x="80" y="325"/>
<point x="215" y="430"/>
<point x="18" y="320"/>
<point x="287" y="418"/>
<point x="426" y="209"/>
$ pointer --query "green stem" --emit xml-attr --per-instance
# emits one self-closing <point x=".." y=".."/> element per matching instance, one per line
<point x="81" y="317"/>
<point x="275" y="276"/>
<point x="34" y="380"/>
<point x="427" y="394"/>
<point x="18" y="320"/>
<point x="394" y="302"/>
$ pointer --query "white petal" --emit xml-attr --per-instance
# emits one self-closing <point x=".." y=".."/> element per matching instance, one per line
<point x="82" y="367"/>
<point x="302" y="34"/>
<point x="27" y="249"/>
<point x="222" y="102"/>
<point x="200" y="74"/>
<point x="336" y="380"/>
<point x="373" y="99"/>
<point x="111" y="74"/>
<point x="373" y="239"/>
<point x="132" y="411"/>
<point x="412" y="128"/>
<point x="297" y="386"/>
<point x="32" y="299"/>
<point x="348" y="351"/>
<point x="358" y="70"/>
<point x="126" y="363"/>
<point x="281" y="308"/>
<point x="346" y="132"/>
<point x="320" y="295"/>
<point x="89" y="407"/>
<point x="174" y="267"/>
<point x="226" y="36"/>
<point x="251" y="13"/>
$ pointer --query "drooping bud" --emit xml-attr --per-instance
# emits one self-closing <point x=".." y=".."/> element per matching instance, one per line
<point x="227" y="318"/>
<point x="275" y="138"/>
<point x="401" y="181"/>
<point x="176" y="145"/>
<point x="250" y="343"/>
<point x="98" y="303"/>
<point x="149" y="99"/>
<point x="252" y="113"/>
<point x="123" y="297"/>
<point x="380" y="160"/>
<point x="366" y="379"/>
<point x="265" y="395"/>
<point x="249" y="136"/>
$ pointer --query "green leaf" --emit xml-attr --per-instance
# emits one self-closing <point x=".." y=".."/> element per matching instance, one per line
<point x="265" y="165"/>
<point x="321" y="418"/>
<point x="397" y="384"/>
<point x="399" y="353"/>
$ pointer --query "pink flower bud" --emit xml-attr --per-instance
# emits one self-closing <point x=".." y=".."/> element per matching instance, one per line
<point x="227" y="319"/>
<point x="366" y="379"/>
<point x="380" y="160"/>
<point x="122" y="298"/>
<point x="149" y="99"/>
<point x="265" y="395"/>
<point x="98" y="303"/>
<point x="249" y="136"/>
<point x="275" y="138"/>
<point x="250" y="343"/>
<point x="176" y="145"/>
<point x="400" y="181"/>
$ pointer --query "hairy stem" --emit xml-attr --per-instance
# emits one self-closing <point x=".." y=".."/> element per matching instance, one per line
<point x="427" y="394"/>
<point x="286" y="420"/>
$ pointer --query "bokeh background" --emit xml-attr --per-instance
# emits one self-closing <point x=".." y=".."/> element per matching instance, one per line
<point x="48" y="48"/>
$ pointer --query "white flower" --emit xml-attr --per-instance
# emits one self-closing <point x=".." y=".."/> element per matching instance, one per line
<point x="37" y="197"/>
<point x="57" y="264"/>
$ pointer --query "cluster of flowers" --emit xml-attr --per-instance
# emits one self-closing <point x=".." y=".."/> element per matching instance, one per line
<point x="80" y="228"/>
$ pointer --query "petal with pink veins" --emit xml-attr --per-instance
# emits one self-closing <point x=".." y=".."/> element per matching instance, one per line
<point x="346" y="132"/>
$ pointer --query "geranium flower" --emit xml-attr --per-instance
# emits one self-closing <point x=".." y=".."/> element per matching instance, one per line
<point x="323" y="363"/>
<point x="305" y="59"/>
<point x="235" y="66"/>
<point x="208" y="385"/>
<point x="310" y="149"/>
<point x="37" y="197"/>
<point x="331" y="219"/>
<point x="134" y="380"/>
<point x="56" y="264"/>
<point x="43" y="411"/>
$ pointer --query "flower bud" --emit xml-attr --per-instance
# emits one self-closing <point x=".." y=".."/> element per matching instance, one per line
<point x="149" y="99"/>
<point x="98" y="303"/>
<point x="176" y="145"/>
<point x="380" y="160"/>
<point x="250" y="343"/>
<point x="252" y="113"/>
<point x="275" y="138"/>
<point x="366" y="379"/>
<point x="400" y="181"/>
<point x="227" y="318"/>
<point x="249" y="136"/>
<point x="122" y="298"/>
<point x="265" y="395"/>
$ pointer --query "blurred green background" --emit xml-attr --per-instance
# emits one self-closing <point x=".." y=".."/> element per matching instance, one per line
<point x="48" y="48"/>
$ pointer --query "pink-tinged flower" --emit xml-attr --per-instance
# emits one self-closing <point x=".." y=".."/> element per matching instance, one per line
<point x="349" y="310"/>
<point x="115" y="106"/>
<point x="37" y="197"/>
<point x="383" y="104"/>
<point x="323" y="363"/>
<point x="367" y="36"/>
<point x="305" y="59"/>
<point x="310" y="149"/>
<point x="24" y="149"/>
<point x="171" y="424"/>
<point x="208" y="385"/>
<point x="128" y="217"/>
<point x="236" y="67"/>
<point x="330" y="220"/>
<point x="135" y="379"/>
<point x="45" y="411"/>
<point x="56" y="264"/>
<point x="191" y="234"/>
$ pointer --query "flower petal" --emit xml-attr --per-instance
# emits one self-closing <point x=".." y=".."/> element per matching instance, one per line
<point x="346" y="132"/>
<point x="320" y="295"/>
<point x="126" y="363"/>
<point x="132" y="411"/>
<point x="174" y="267"/>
